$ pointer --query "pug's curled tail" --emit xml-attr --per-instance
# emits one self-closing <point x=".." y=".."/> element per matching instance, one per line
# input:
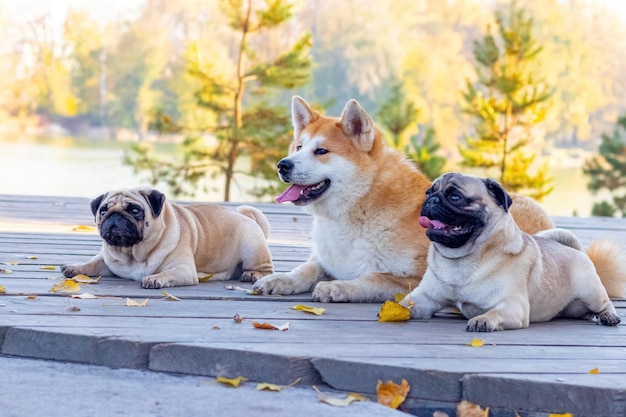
<point x="258" y="216"/>
<point x="609" y="258"/>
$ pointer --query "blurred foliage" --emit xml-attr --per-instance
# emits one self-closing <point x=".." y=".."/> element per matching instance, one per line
<point x="168" y="70"/>
<point x="607" y="171"/>
<point x="507" y="102"/>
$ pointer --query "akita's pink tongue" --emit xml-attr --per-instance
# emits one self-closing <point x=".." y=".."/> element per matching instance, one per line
<point x="290" y="194"/>
<point x="431" y="224"/>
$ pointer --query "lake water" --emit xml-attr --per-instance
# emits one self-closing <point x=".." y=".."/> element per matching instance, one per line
<point x="64" y="166"/>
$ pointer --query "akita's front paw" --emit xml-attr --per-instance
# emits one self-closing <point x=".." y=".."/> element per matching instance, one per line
<point x="333" y="292"/>
<point x="278" y="284"/>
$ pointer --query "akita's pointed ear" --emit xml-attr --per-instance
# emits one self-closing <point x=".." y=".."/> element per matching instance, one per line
<point x="301" y="115"/>
<point x="357" y="124"/>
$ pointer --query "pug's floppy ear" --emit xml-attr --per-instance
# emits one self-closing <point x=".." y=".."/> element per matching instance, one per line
<point x="156" y="200"/>
<point x="95" y="203"/>
<point x="498" y="193"/>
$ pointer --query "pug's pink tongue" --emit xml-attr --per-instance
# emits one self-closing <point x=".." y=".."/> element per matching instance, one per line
<point x="290" y="194"/>
<point x="425" y="222"/>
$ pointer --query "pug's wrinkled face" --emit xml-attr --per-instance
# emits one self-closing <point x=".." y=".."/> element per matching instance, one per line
<point x="457" y="208"/>
<point x="123" y="216"/>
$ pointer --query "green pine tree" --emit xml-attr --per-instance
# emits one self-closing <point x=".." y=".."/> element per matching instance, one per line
<point x="506" y="102"/>
<point x="397" y="114"/>
<point x="607" y="171"/>
<point x="251" y="127"/>
<point x="423" y="150"/>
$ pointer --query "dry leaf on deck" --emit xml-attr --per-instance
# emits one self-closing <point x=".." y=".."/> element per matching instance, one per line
<point x="392" y="394"/>
<point x="30" y="257"/>
<point x="392" y="311"/>
<point x="240" y="289"/>
<point x="84" y="296"/>
<point x="133" y="303"/>
<point x="169" y="296"/>
<point x="594" y="371"/>
<point x="268" y="326"/>
<point x="11" y="262"/>
<point x="238" y="318"/>
<point x="318" y="311"/>
<point x="5" y="271"/>
<point x="202" y="277"/>
<point x="83" y="228"/>
<point x="338" y="402"/>
<point x="561" y="415"/>
<point x="84" y="279"/>
<point x="3" y="289"/>
<point x="48" y="267"/>
<point x="235" y="382"/>
<point x="265" y="386"/>
<point x="468" y="409"/>
<point x="67" y="285"/>
<point x="399" y="297"/>
<point x="31" y="297"/>
<point x="476" y="343"/>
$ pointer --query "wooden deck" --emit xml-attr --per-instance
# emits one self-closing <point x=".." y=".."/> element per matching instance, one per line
<point x="544" y="369"/>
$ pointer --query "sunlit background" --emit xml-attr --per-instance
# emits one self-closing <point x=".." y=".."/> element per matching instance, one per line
<point x="65" y="131"/>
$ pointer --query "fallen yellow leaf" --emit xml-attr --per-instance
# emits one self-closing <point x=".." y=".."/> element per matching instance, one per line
<point x="266" y="386"/>
<point x="391" y="394"/>
<point x="3" y="289"/>
<point x="133" y="303"/>
<point x="48" y="267"/>
<point x="339" y="402"/>
<point x="84" y="279"/>
<point x="392" y="311"/>
<point x="268" y="326"/>
<point x="30" y="256"/>
<point x="235" y="382"/>
<point x="83" y="228"/>
<point x="67" y="285"/>
<point x="169" y="296"/>
<point x="594" y="371"/>
<point x="318" y="311"/>
<point x="399" y="297"/>
<point x="204" y="277"/>
<point x="561" y="415"/>
<point x="476" y="343"/>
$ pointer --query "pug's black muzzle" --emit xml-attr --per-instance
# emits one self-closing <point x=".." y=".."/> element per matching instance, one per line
<point x="118" y="230"/>
<point x="450" y="225"/>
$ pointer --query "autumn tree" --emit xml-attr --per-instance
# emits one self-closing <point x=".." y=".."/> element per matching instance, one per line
<point x="506" y="102"/>
<point x="607" y="171"/>
<point x="245" y="123"/>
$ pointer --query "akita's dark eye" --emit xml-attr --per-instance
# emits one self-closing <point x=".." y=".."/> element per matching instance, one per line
<point x="320" y="151"/>
<point x="298" y="147"/>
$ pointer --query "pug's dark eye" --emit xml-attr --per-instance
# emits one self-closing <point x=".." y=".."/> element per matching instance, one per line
<point x="320" y="151"/>
<point x="454" y="197"/>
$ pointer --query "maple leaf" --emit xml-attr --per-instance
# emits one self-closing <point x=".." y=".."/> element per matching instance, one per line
<point x="235" y="382"/>
<point x="265" y="386"/>
<point x="392" y="311"/>
<point x="391" y="394"/>
<point x="67" y="285"/>
<point x="3" y="289"/>
<point x="169" y="296"/>
<point x="318" y="311"/>
<point x="338" y="402"/>
<point x="469" y="409"/>
<point x="48" y="267"/>
<point x="594" y="371"/>
<point x="561" y="415"/>
<point x="476" y="343"/>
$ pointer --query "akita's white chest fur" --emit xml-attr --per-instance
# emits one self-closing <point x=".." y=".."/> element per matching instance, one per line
<point x="348" y="251"/>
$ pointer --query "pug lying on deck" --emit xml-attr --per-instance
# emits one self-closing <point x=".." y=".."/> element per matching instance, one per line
<point x="163" y="244"/>
<point x="500" y="277"/>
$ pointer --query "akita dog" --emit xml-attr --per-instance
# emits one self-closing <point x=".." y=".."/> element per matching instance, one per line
<point x="365" y="198"/>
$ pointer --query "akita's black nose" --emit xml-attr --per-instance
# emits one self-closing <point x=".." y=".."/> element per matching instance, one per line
<point x="284" y="166"/>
